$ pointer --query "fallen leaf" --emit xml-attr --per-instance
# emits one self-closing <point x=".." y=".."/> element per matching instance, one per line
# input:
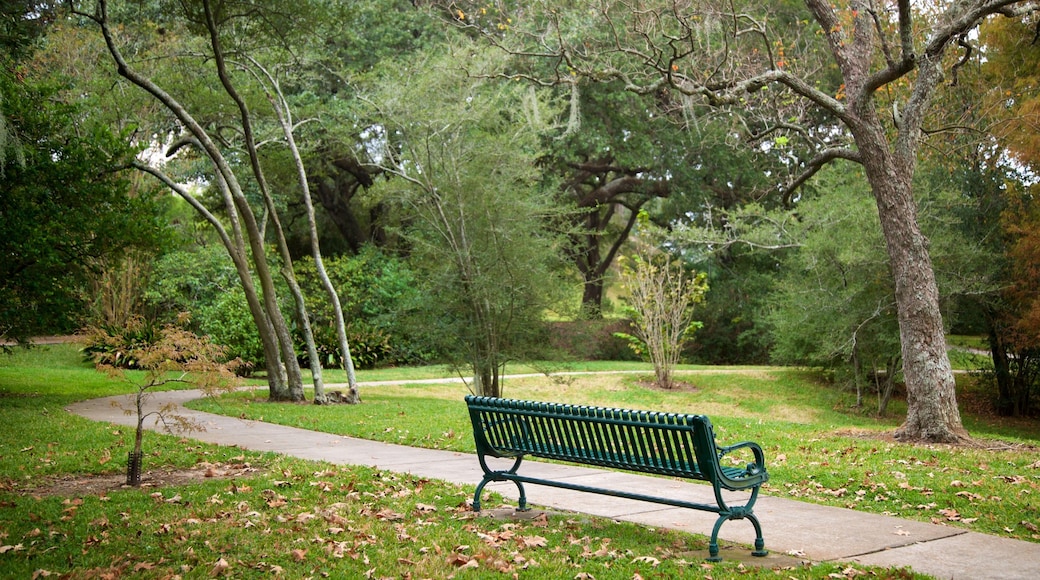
<point x="532" y="541"/>
<point x="461" y="561"/>
<point x="389" y="515"/>
<point x="219" y="568"/>
<point x="951" y="514"/>
<point x="298" y="555"/>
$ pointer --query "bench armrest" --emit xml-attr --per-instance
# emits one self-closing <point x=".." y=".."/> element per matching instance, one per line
<point x="760" y="457"/>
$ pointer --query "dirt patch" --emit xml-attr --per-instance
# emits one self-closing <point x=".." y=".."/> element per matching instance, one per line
<point x="83" y="485"/>
<point x="677" y="387"/>
<point x="867" y="434"/>
<point x="888" y="436"/>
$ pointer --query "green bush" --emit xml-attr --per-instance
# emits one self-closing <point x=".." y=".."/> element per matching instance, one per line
<point x="191" y="279"/>
<point x="108" y="344"/>
<point x="229" y="323"/>
<point x="379" y="299"/>
<point x="368" y="346"/>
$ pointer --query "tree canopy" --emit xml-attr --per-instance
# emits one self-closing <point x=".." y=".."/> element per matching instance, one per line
<point x="64" y="205"/>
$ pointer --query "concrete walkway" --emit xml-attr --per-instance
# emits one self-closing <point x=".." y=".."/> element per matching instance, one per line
<point x="794" y="531"/>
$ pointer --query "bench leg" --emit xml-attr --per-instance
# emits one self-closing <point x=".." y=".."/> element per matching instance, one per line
<point x="760" y="544"/>
<point x="713" y="544"/>
<point x="522" y="504"/>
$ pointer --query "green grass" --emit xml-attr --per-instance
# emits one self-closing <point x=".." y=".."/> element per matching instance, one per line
<point x="975" y="342"/>
<point x="280" y="516"/>
<point x="818" y="448"/>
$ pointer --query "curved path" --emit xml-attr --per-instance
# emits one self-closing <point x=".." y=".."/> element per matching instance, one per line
<point x="794" y="531"/>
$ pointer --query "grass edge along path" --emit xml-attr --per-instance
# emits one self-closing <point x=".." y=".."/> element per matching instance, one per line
<point x="816" y="449"/>
<point x="255" y="514"/>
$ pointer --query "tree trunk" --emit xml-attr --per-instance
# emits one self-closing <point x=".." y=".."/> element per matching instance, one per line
<point x="277" y="373"/>
<point x="288" y="350"/>
<point x="592" y="297"/>
<point x="334" y="194"/>
<point x="589" y="262"/>
<point x="885" y="392"/>
<point x="281" y="107"/>
<point x="290" y="368"/>
<point x="487" y="379"/>
<point x="1002" y="370"/>
<point x="932" y="413"/>
<point x="857" y="376"/>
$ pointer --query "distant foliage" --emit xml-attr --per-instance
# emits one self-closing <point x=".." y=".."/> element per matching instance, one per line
<point x="188" y="278"/>
<point x="378" y="294"/>
<point x="119" y="345"/>
<point x="591" y="339"/>
<point x="228" y="322"/>
<point x="63" y="206"/>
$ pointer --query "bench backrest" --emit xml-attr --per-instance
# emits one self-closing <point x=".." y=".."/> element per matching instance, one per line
<point x="663" y="443"/>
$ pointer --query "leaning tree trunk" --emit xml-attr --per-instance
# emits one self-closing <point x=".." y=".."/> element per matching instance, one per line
<point x="288" y="350"/>
<point x="235" y="247"/>
<point x="281" y="107"/>
<point x="227" y="179"/>
<point x="932" y="413"/>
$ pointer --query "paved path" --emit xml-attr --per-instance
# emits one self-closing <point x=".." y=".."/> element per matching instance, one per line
<point x="792" y="529"/>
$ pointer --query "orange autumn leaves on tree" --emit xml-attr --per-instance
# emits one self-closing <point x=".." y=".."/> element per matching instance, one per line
<point x="1022" y="224"/>
<point x="1012" y="49"/>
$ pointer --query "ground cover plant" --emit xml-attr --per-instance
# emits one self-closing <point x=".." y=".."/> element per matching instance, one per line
<point x="818" y="448"/>
<point x="205" y="511"/>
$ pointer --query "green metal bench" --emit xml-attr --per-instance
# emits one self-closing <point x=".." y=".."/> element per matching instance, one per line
<point x="670" y="444"/>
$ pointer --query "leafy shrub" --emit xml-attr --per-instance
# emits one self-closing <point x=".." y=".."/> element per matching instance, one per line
<point x="115" y="346"/>
<point x="190" y="279"/>
<point x="378" y="294"/>
<point x="368" y="346"/>
<point x="229" y="323"/>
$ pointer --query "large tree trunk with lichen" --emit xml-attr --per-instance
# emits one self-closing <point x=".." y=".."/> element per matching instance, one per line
<point x="932" y="413"/>
<point x="889" y="163"/>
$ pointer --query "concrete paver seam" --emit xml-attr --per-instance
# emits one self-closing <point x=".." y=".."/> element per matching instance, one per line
<point x="897" y="547"/>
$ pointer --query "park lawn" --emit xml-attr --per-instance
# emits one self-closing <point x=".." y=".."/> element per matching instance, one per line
<point x="234" y="513"/>
<point x="818" y="449"/>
